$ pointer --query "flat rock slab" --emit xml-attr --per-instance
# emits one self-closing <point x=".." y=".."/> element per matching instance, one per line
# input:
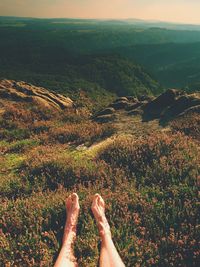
<point x="26" y="92"/>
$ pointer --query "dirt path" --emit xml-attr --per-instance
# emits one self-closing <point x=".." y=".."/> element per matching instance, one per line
<point x="127" y="125"/>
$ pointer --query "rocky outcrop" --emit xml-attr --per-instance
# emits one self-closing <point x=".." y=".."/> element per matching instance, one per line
<point x="165" y="107"/>
<point x="119" y="99"/>
<point x="170" y="104"/>
<point x="129" y="104"/>
<point x="133" y="106"/>
<point x="156" y="107"/>
<point x="106" y="111"/>
<point x="145" y="98"/>
<point x="182" y="104"/>
<point x="105" y="118"/>
<point x="26" y="92"/>
<point x="137" y="111"/>
<point x="120" y="104"/>
<point x="124" y="102"/>
<point x="194" y="109"/>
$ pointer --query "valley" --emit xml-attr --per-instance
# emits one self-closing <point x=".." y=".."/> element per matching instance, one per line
<point x="87" y="106"/>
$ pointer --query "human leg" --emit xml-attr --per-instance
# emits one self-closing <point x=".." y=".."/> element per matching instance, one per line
<point x="66" y="256"/>
<point x="109" y="256"/>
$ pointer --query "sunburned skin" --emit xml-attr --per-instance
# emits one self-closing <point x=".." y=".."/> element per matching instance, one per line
<point x="109" y="256"/>
<point x="98" y="209"/>
<point x="72" y="208"/>
<point x="66" y="256"/>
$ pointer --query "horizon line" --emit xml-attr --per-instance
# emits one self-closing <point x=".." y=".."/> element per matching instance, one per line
<point x="111" y="19"/>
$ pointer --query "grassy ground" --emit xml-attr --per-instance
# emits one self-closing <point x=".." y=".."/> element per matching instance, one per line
<point x="147" y="176"/>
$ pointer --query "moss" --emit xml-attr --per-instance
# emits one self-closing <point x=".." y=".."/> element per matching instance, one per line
<point x="22" y="145"/>
<point x="148" y="182"/>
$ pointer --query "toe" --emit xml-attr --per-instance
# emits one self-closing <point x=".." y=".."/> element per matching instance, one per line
<point x="68" y="201"/>
<point x="75" y="201"/>
<point x="101" y="202"/>
<point x="95" y="200"/>
<point x="75" y="198"/>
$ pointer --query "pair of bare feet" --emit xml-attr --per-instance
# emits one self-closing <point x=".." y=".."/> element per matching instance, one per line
<point x="98" y="209"/>
<point x="109" y="256"/>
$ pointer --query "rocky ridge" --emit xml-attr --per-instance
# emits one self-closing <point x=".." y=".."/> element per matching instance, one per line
<point x="26" y="92"/>
<point x="166" y="106"/>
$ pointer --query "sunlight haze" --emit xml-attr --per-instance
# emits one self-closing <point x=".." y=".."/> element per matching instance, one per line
<point x="184" y="11"/>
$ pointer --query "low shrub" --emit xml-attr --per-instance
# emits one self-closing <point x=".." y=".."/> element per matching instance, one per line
<point x="14" y="134"/>
<point x="44" y="172"/>
<point x="87" y="131"/>
<point x="75" y="115"/>
<point x="159" y="159"/>
<point x="153" y="227"/>
<point x="149" y="184"/>
<point x="188" y="124"/>
<point x="22" y="146"/>
<point x="27" y="113"/>
<point x="40" y="127"/>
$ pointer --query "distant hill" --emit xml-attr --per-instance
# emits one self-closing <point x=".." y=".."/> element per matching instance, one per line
<point x="49" y="63"/>
<point x="172" y="64"/>
<point x="66" y="54"/>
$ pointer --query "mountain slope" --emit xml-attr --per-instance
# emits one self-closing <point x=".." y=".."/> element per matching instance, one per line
<point x="59" y="69"/>
<point x="173" y="65"/>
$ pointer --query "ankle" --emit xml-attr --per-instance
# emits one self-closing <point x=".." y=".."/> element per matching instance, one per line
<point x="69" y="228"/>
<point x="104" y="229"/>
<point x="105" y="235"/>
<point x="68" y="238"/>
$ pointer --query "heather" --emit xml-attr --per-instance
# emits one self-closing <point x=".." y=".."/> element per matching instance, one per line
<point x="149" y="183"/>
<point x="161" y="159"/>
<point x="189" y="124"/>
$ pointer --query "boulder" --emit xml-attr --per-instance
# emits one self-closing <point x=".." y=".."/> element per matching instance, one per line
<point x="182" y="104"/>
<point x="137" y="111"/>
<point x="132" y="99"/>
<point x="120" y="105"/>
<point x="106" y="111"/>
<point x="195" y="109"/>
<point x="26" y="92"/>
<point x="105" y="118"/>
<point x="156" y="107"/>
<point x="145" y="98"/>
<point x="133" y="106"/>
<point x="119" y="99"/>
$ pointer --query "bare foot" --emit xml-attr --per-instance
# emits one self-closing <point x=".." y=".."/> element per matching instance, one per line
<point x="98" y="209"/>
<point x="72" y="207"/>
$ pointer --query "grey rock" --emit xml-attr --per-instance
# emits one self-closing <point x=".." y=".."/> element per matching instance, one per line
<point x="105" y="118"/>
<point x="26" y="92"/>
<point x="120" y="105"/>
<point x="106" y="111"/>
<point x="119" y="99"/>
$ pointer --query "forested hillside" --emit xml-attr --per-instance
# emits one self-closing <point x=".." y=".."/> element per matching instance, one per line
<point x="65" y="54"/>
<point x="140" y="151"/>
<point x="173" y="64"/>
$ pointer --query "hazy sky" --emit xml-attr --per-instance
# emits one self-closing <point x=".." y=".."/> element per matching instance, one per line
<point x="187" y="11"/>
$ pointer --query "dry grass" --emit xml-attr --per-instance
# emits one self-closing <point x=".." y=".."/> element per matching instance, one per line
<point x="188" y="124"/>
<point x="149" y="184"/>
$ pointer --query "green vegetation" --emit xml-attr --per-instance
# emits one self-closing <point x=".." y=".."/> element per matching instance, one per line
<point x="66" y="54"/>
<point x="188" y="124"/>
<point x="173" y="64"/>
<point x="148" y="178"/>
<point x="149" y="185"/>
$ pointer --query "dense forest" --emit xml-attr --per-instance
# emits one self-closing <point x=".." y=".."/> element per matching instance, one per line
<point x="123" y="57"/>
<point x="139" y="150"/>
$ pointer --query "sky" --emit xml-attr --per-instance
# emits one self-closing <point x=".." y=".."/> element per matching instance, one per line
<point x="183" y="11"/>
